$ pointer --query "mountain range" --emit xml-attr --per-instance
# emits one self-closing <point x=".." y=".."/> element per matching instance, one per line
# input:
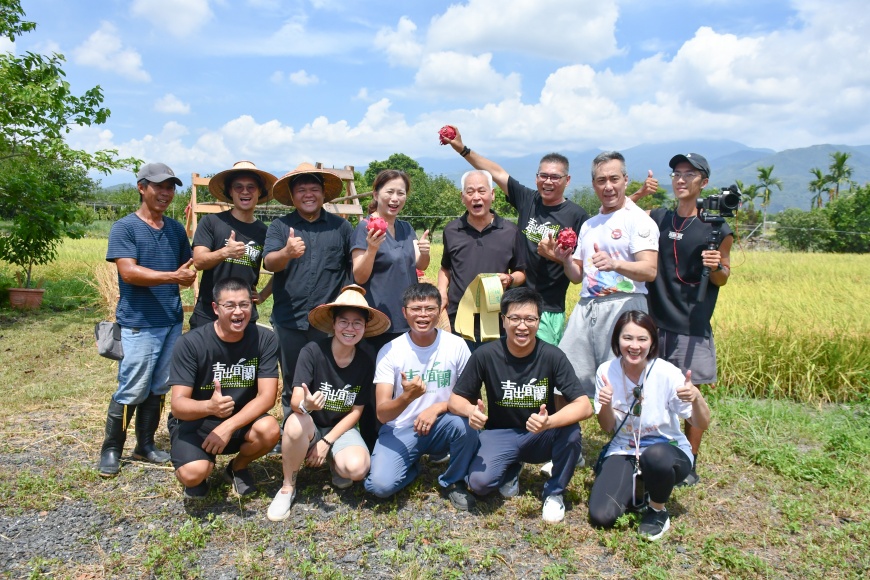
<point x="729" y="161"/>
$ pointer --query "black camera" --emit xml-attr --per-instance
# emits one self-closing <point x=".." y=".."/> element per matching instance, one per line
<point x="721" y="204"/>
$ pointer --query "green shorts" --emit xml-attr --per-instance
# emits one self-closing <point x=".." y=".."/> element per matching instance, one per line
<point x="552" y="327"/>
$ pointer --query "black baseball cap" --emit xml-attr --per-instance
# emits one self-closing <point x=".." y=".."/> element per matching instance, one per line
<point x="695" y="160"/>
<point x="157" y="173"/>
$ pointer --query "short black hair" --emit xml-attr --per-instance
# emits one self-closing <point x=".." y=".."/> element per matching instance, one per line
<point x="643" y="320"/>
<point x="231" y="284"/>
<point x="305" y="179"/>
<point x="555" y="158"/>
<point x="521" y="295"/>
<point x="339" y="310"/>
<point x="419" y="292"/>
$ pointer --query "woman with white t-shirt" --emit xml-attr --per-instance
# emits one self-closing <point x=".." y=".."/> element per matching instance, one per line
<point x="641" y="399"/>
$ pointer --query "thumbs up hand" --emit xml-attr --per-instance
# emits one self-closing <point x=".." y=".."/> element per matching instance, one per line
<point x="478" y="416"/>
<point x="650" y="186"/>
<point x="295" y="247"/>
<point x="234" y="249"/>
<point x="539" y="421"/>
<point x="423" y="244"/>
<point x="602" y="260"/>
<point x="688" y="392"/>
<point x="313" y="402"/>
<point x="184" y="276"/>
<point x="220" y="405"/>
<point x="605" y="395"/>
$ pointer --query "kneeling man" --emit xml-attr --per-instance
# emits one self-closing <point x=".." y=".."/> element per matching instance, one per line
<point x="224" y="379"/>
<point x="520" y="374"/>
<point x="414" y="377"/>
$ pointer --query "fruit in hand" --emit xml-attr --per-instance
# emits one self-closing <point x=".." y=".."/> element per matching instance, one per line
<point x="567" y="238"/>
<point x="378" y="224"/>
<point x="446" y="133"/>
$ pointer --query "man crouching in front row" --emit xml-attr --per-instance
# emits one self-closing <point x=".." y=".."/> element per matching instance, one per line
<point x="224" y="379"/>
<point x="520" y="374"/>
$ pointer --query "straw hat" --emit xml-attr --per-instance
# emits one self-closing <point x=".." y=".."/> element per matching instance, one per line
<point x="353" y="295"/>
<point x="331" y="183"/>
<point x="216" y="183"/>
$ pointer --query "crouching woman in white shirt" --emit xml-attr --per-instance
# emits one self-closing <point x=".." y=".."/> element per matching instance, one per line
<point x="641" y="399"/>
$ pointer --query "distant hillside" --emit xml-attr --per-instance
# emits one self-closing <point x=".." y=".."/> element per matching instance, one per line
<point x="729" y="161"/>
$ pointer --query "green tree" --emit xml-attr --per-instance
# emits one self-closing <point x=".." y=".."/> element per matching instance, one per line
<point x="38" y="107"/>
<point x="803" y="231"/>
<point x="585" y="197"/>
<point x="654" y="200"/>
<point x="840" y="172"/>
<point x="849" y="217"/>
<point x="817" y="187"/>
<point x="766" y="183"/>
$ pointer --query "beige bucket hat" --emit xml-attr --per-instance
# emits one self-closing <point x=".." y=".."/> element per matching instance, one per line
<point x="331" y="183"/>
<point x="216" y="183"/>
<point x="352" y="295"/>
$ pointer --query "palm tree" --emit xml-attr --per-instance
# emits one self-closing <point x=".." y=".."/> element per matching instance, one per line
<point x="766" y="183"/>
<point x="839" y="171"/>
<point x="750" y="192"/>
<point x="818" y="186"/>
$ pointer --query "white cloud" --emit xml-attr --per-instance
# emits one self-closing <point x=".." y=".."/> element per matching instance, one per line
<point x="277" y="77"/>
<point x="362" y="94"/>
<point x="400" y="44"/>
<point x="575" y="31"/>
<point x="179" y="17"/>
<point x="302" y="78"/>
<point x="104" y="50"/>
<point x="293" y="38"/>
<point x="7" y="45"/>
<point x="171" y="104"/>
<point x="472" y="78"/>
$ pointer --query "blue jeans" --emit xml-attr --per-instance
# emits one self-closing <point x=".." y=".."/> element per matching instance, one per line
<point x="397" y="451"/>
<point x="501" y="448"/>
<point x="144" y="370"/>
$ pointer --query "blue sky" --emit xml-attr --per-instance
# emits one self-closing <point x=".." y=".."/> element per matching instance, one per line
<point x="200" y="84"/>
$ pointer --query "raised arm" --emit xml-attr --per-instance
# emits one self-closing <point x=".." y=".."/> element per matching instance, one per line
<point x="478" y="161"/>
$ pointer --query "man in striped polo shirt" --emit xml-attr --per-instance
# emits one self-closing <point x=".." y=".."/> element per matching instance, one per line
<point x="153" y="257"/>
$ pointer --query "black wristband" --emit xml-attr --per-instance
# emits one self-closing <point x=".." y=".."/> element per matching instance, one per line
<point x="465" y="151"/>
<point x="327" y="441"/>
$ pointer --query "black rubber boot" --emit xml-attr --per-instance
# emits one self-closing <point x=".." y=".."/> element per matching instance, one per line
<point x="147" y="419"/>
<point x="117" y="418"/>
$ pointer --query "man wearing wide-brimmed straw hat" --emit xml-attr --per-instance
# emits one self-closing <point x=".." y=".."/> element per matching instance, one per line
<point x="309" y="252"/>
<point x="332" y="381"/>
<point x="230" y="243"/>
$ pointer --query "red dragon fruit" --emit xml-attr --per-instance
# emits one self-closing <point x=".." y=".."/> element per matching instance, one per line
<point x="567" y="238"/>
<point x="446" y="133"/>
<point x="378" y="224"/>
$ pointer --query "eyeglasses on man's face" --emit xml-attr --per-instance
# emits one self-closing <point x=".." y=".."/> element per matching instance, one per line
<point x="231" y="306"/>
<point x="687" y="176"/>
<point x="554" y="177"/>
<point x="514" y="320"/>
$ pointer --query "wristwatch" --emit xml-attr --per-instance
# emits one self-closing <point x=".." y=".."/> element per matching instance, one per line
<point x="302" y="408"/>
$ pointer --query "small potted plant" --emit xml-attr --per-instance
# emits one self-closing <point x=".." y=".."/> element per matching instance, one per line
<point x="40" y="197"/>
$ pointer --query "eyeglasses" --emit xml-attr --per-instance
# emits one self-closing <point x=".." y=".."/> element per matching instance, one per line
<point x="549" y="177"/>
<point x="514" y="320"/>
<point x="231" y="306"/>
<point x="689" y="176"/>
<point x="422" y="309"/>
<point x="355" y="324"/>
<point x="637" y="407"/>
<point x="250" y="188"/>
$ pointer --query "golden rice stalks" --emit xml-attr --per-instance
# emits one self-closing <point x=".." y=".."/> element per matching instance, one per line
<point x="106" y="283"/>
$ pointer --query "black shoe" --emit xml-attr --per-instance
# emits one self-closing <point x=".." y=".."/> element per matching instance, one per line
<point x="438" y="458"/>
<point x="147" y="419"/>
<point x="654" y="524"/>
<point x="197" y="492"/>
<point x="459" y="496"/>
<point x="117" y="418"/>
<point x="241" y="480"/>
<point x="690" y="480"/>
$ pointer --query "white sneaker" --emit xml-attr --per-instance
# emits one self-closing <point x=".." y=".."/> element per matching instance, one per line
<point x="547" y="469"/>
<point x="279" y="509"/>
<point x="554" y="509"/>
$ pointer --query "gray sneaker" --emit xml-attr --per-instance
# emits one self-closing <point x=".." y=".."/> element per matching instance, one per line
<point x="510" y="485"/>
<point x="654" y="524"/>
<point x="197" y="492"/>
<point x="459" y="496"/>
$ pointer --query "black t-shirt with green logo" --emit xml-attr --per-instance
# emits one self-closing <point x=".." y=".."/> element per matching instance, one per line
<point x="200" y="357"/>
<point x="343" y="387"/>
<point x="517" y="387"/>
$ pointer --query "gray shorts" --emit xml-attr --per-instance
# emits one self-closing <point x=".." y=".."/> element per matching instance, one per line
<point x="690" y="352"/>
<point x="350" y="438"/>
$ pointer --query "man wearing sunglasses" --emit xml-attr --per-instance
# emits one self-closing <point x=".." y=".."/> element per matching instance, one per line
<point x="520" y="422"/>
<point x="543" y="213"/>
<point x="685" y="333"/>
<point x="224" y="379"/>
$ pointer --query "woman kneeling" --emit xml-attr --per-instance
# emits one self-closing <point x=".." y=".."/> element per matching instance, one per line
<point x="641" y="399"/>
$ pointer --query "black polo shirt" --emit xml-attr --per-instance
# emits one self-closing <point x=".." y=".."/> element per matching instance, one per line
<point x="318" y="275"/>
<point x="468" y="252"/>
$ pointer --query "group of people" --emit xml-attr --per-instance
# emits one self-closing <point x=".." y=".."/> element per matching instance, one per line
<point x="372" y="383"/>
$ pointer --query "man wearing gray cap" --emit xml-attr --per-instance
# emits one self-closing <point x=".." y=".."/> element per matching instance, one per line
<point x="685" y="333"/>
<point x="153" y="258"/>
